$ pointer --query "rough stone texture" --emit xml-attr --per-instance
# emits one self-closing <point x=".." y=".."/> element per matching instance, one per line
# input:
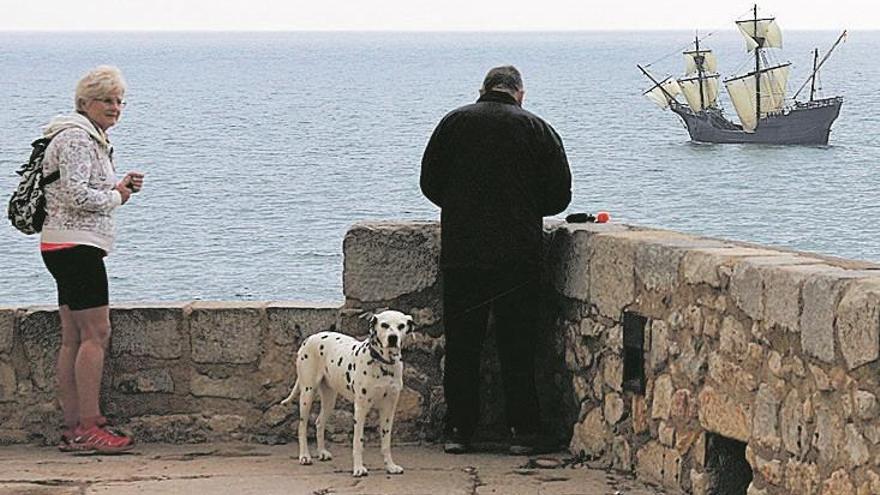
<point x="613" y="408"/>
<point x="590" y="436"/>
<point x="290" y="323"/>
<point x="747" y="288"/>
<point x="388" y="260"/>
<point x="151" y="331"/>
<point x="659" y="464"/>
<point x="226" y="332"/>
<point x="829" y="436"/>
<point x="866" y="404"/>
<point x="794" y="429"/>
<point x="570" y="263"/>
<point x="612" y="274"/>
<point x="657" y="266"/>
<point x="801" y="477"/>
<point x="145" y="381"/>
<point x="662" y="400"/>
<point x="764" y="422"/>
<point x="8" y="383"/>
<point x="7" y="327"/>
<point x="723" y="415"/>
<point x="817" y="319"/>
<point x="858" y="323"/>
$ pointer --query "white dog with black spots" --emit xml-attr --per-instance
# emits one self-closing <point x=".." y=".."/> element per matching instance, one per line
<point x="369" y="373"/>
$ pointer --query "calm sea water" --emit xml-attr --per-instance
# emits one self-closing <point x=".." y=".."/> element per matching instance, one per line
<point x="262" y="149"/>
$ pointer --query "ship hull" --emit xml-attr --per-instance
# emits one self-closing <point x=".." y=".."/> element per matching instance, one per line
<point x="805" y="123"/>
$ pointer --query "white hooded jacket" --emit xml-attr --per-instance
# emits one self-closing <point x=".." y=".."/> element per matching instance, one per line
<point x="80" y="205"/>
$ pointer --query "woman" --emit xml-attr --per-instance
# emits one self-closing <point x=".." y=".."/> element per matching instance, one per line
<point x="77" y="234"/>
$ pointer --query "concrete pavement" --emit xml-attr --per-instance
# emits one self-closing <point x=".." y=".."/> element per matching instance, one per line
<point x="246" y="469"/>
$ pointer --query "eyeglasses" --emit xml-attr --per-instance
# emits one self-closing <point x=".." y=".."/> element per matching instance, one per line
<point x="112" y="101"/>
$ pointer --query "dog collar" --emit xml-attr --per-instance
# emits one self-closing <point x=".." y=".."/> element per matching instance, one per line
<point x="378" y="357"/>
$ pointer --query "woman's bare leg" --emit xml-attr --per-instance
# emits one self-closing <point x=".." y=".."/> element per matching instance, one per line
<point x="67" y="390"/>
<point x="94" y="334"/>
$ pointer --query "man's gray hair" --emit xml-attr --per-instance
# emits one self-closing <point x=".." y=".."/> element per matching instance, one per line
<point x="504" y="78"/>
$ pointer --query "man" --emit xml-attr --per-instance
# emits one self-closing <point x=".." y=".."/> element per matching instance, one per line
<point x="495" y="170"/>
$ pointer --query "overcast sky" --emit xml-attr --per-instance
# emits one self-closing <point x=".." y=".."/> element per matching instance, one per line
<point x="416" y="15"/>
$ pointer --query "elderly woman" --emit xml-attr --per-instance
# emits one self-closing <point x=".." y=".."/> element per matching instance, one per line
<point x="77" y="234"/>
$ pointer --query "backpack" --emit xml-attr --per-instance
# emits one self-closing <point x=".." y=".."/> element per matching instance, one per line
<point x="27" y="206"/>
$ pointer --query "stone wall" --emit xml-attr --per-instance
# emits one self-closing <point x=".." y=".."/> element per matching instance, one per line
<point x="695" y="363"/>
<point x="773" y="351"/>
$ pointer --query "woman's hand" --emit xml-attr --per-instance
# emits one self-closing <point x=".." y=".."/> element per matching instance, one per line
<point x="123" y="190"/>
<point x="134" y="181"/>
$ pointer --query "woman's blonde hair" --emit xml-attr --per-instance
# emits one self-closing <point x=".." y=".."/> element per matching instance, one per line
<point x="98" y="83"/>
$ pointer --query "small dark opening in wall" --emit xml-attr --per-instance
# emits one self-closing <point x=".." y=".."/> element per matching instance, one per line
<point x="634" y="352"/>
<point x="726" y="466"/>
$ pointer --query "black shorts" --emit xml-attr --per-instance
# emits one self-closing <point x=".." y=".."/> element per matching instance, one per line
<point x="80" y="275"/>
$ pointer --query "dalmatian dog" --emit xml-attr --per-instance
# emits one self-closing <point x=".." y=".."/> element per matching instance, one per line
<point x="368" y="373"/>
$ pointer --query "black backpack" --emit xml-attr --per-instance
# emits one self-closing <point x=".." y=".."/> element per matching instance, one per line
<point x="27" y="206"/>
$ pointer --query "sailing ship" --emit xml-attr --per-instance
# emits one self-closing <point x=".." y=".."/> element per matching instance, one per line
<point x="766" y="115"/>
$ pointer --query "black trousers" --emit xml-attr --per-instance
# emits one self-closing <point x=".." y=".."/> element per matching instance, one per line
<point x="511" y="295"/>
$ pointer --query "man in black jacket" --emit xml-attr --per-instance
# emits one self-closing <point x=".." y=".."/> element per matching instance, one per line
<point x="495" y="170"/>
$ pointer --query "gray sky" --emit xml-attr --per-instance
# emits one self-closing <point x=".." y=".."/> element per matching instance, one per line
<point x="416" y="15"/>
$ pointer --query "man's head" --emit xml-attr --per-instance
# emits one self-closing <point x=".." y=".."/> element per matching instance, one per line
<point x="505" y="78"/>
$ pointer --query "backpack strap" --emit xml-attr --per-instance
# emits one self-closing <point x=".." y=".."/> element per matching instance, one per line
<point x="39" y="149"/>
<point x="45" y="181"/>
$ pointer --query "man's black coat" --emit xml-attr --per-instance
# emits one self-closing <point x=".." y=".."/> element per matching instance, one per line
<point x="495" y="170"/>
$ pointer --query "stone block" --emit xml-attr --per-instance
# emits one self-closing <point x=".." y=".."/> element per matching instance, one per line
<point x="856" y="447"/>
<point x="226" y="332"/>
<point x="621" y="454"/>
<point x="765" y="420"/>
<point x="782" y="292"/>
<point x="8" y="383"/>
<point x="385" y="260"/>
<point x="289" y="323"/>
<point x="747" y="289"/>
<point x="733" y="337"/>
<point x="795" y="436"/>
<point x="148" y="330"/>
<point x="657" y="266"/>
<point x="7" y="329"/>
<point x="659" y="464"/>
<point x="613" y="372"/>
<point x="705" y="265"/>
<point x="659" y="344"/>
<point x="569" y="262"/>
<point x="829" y="436"/>
<point x="145" y="381"/>
<point x="613" y="407"/>
<point x="723" y="415"/>
<point x="865" y="404"/>
<point x="227" y="388"/>
<point x="858" y="323"/>
<point x="729" y="377"/>
<point x="612" y="275"/>
<point x="41" y="329"/>
<point x="819" y="297"/>
<point x="590" y="437"/>
<point x="661" y="404"/>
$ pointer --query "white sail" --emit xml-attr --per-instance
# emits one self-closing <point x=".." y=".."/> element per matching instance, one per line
<point x="742" y="94"/>
<point x="657" y="95"/>
<point x="767" y="30"/>
<point x="691" y="89"/>
<point x="710" y="63"/>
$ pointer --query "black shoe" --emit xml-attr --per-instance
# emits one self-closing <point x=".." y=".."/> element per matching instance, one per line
<point x="532" y="444"/>
<point x="456" y="443"/>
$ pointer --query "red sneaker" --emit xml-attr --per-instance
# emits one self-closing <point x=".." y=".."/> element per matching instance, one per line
<point x="100" y="441"/>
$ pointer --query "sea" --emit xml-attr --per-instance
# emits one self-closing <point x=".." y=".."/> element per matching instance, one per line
<point x="261" y="149"/>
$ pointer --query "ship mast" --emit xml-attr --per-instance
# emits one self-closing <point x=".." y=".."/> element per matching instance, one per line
<point x="698" y="58"/>
<point x="813" y="83"/>
<point x="760" y="42"/>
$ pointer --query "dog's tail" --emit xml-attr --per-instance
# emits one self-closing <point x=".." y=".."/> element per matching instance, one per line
<point x="293" y="393"/>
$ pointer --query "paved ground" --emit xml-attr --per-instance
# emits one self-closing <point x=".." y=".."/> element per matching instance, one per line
<point x="245" y="469"/>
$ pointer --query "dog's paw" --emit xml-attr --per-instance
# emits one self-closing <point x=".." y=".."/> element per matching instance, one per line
<point x="393" y="469"/>
<point x="359" y="471"/>
<point x="305" y="460"/>
<point x="325" y="455"/>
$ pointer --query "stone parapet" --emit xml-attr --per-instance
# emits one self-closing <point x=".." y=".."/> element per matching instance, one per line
<point x="772" y="352"/>
<point x="677" y="358"/>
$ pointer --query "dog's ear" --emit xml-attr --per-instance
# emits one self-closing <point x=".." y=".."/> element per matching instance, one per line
<point x="373" y="321"/>
<point x="409" y="324"/>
